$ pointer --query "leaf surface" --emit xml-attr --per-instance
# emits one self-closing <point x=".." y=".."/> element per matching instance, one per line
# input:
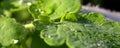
<point x="10" y="30"/>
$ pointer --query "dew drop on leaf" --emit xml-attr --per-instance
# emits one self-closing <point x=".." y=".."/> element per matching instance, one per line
<point x="15" y="41"/>
<point x="29" y="3"/>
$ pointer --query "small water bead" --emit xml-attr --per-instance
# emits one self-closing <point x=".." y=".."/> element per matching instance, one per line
<point x="69" y="12"/>
<point x="29" y="3"/>
<point x="15" y="41"/>
<point x="92" y="45"/>
<point x="72" y="30"/>
<point x="98" y="44"/>
<point x="53" y="36"/>
<point x="42" y="12"/>
<point x="20" y="2"/>
<point x="38" y="10"/>
<point x="36" y="19"/>
<point x="49" y="36"/>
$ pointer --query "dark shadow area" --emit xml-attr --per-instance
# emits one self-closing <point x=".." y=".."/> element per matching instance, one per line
<point x="112" y="5"/>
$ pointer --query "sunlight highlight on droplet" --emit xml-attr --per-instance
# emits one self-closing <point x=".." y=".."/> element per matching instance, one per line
<point x="15" y="41"/>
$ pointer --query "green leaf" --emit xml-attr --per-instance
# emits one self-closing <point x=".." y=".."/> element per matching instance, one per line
<point x="33" y="9"/>
<point x="6" y="5"/>
<point x="44" y="19"/>
<point x="79" y="35"/>
<point x="51" y="37"/>
<point x="95" y="18"/>
<point x="22" y="15"/>
<point x="39" y="25"/>
<point x="56" y="8"/>
<point x="10" y="30"/>
<point x="9" y="6"/>
<point x="69" y="17"/>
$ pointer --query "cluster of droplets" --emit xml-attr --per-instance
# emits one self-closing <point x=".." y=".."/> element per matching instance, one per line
<point x="24" y="2"/>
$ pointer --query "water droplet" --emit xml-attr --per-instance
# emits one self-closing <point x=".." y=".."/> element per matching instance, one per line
<point x="35" y="19"/>
<point x="49" y="36"/>
<point x="29" y="3"/>
<point x="92" y="45"/>
<point x="70" y="12"/>
<point x="20" y="2"/>
<point x="98" y="44"/>
<point x="72" y="29"/>
<point x="53" y="36"/>
<point x="38" y="10"/>
<point x="42" y="12"/>
<point x="15" y="41"/>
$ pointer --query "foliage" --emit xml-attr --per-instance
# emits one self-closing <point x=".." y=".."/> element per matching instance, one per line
<point x="54" y="24"/>
<point x="10" y="31"/>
